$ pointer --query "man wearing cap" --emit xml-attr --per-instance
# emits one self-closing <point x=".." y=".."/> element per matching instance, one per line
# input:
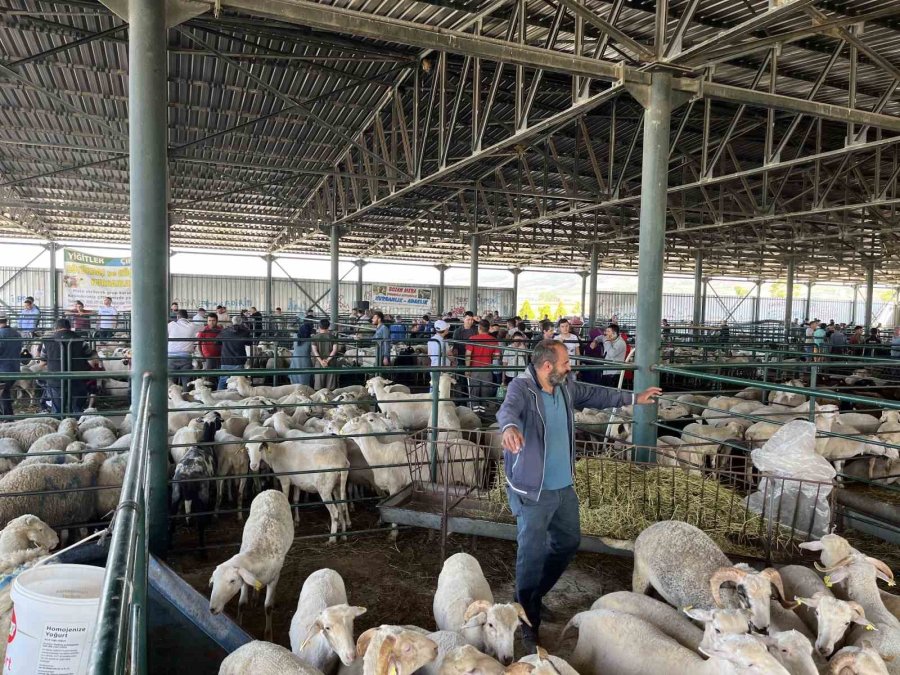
<point x="437" y="347"/>
<point x="10" y="350"/>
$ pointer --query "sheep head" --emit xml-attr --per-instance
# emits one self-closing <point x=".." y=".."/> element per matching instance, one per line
<point x="791" y="649"/>
<point x="498" y="623"/>
<point x="746" y="652"/>
<point x="400" y="653"/>
<point x="258" y="446"/>
<point x="720" y="622"/>
<point x="467" y="660"/>
<point x="335" y="623"/>
<point x="226" y="580"/>
<point x="857" y="661"/>
<point x="833" y="548"/>
<point x="754" y="590"/>
<point x="834" y="617"/>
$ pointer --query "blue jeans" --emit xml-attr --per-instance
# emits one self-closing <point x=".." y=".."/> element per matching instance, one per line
<point x="301" y="359"/>
<point x="223" y="379"/>
<point x="548" y="535"/>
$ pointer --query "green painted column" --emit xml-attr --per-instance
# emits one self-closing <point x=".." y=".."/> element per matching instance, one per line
<point x="53" y="286"/>
<point x="870" y="295"/>
<point x="789" y="299"/>
<point x="335" y="275"/>
<point x="515" y="291"/>
<point x="698" y="288"/>
<point x="473" y="275"/>
<point x="654" y="187"/>
<point x="147" y="138"/>
<point x="592" y="286"/>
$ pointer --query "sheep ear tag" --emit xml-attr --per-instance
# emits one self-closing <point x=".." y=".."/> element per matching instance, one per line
<point x="249" y="579"/>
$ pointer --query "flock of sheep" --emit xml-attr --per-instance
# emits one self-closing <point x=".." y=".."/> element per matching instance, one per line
<point x="716" y="421"/>
<point x="771" y="622"/>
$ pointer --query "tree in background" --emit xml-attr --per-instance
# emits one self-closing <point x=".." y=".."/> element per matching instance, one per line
<point x="543" y="310"/>
<point x="526" y="312"/>
<point x="560" y="310"/>
<point x="577" y="310"/>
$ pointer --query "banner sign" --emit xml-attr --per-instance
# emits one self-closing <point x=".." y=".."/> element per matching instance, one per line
<point x="403" y="300"/>
<point x="91" y="278"/>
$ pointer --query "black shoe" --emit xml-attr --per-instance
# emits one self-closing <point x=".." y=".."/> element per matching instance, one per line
<point x="529" y="639"/>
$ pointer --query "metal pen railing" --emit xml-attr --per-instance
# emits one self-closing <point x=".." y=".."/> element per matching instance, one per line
<point x="120" y="639"/>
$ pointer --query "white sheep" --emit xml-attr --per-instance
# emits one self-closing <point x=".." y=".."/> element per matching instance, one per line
<point x="394" y="649"/>
<point x="98" y="437"/>
<point x="793" y="650"/>
<point x="856" y="660"/>
<point x="321" y="629"/>
<point x="231" y="460"/>
<point x="665" y="617"/>
<point x="706" y="441"/>
<point x="317" y="466"/>
<point x="412" y="410"/>
<point x="184" y="438"/>
<point x="464" y="602"/>
<point x="267" y="536"/>
<point x="446" y="641"/>
<point x="545" y="664"/>
<point x="26" y="432"/>
<point x="615" y="642"/>
<point x="389" y="480"/>
<point x="51" y="491"/>
<point x="834" y="617"/>
<point x="24" y="542"/>
<point x="58" y="440"/>
<point x="241" y="384"/>
<point x="259" y="657"/>
<point x="838" y="449"/>
<point x="686" y="567"/>
<point x="856" y="575"/>
<point x="111" y="476"/>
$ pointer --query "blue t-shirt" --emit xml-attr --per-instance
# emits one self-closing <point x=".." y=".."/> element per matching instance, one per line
<point x="558" y="462"/>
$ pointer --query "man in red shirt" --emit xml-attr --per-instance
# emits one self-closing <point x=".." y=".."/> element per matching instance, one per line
<point x="483" y="354"/>
<point x="210" y="347"/>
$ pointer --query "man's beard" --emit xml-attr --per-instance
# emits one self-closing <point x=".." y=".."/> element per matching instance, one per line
<point x="557" y="377"/>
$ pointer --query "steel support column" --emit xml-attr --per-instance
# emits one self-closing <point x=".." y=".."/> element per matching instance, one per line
<point x="473" y="275"/>
<point x="440" y="308"/>
<point x="584" y="274"/>
<point x="870" y="295"/>
<point x="806" y="308"/>
<point x="335" y="275"/>
<point x="359" y="281"/>
<point x="789" y="299"/>
<point x="654" y="184"/>
<point x="515" y="291"/>
<point x="592" y="287"/>
<point x="853" y="305"/>
<point x="758" y="302"/>
<point x="269" y="308"/>
<point x="704" y="283"/>
<point x="53" y="286"/>
<point x="147" y="138"/>
<point x="698" y="288"/>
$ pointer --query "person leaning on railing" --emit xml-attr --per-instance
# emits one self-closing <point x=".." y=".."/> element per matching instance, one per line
<point x="210" y="345"/>
<point x="29" y="318"/>
<point x="235" y="343"/>
<point x="65" y="352"/>
<point x="10" y="356"/>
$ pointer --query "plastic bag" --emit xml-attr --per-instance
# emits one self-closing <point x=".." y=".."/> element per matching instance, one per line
<point x="799" y="481"/>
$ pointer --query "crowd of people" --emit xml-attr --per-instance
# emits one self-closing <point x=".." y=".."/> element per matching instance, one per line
<point x="820" y="338"/>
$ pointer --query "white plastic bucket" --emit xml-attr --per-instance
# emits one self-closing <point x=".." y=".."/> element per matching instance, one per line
<point x="54" y="614"/>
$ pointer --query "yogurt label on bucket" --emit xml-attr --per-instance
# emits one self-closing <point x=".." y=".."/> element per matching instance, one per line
<point x="62" y="649"/>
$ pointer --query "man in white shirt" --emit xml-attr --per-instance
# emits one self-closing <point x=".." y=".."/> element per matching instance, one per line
<point x="437" y="348"/>
<point x="107" y="321"/>
<point x="199" y="319"/>
<point x="181" y="346"/>
<point x="614" y="349"/>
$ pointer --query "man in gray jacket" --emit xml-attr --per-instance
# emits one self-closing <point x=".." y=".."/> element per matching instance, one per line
<point x="537" y="422"/>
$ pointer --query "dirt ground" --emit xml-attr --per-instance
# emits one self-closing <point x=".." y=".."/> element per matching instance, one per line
<point x="395" y="581"/>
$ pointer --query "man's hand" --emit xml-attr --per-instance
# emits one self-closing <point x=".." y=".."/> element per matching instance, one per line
<point x="385" y="361"/>
<point x="513" y="440"/>
<point x="647" y="396"/>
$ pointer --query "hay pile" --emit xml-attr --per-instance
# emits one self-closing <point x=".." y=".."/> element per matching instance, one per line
<point x="619" y="499"/>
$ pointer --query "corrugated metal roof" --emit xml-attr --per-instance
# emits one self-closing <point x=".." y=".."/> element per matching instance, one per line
<point x="252" y="158"/>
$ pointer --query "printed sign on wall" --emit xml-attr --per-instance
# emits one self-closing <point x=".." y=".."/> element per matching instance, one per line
<point x="91" y="278"/>
<point x="403" y="300"/>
